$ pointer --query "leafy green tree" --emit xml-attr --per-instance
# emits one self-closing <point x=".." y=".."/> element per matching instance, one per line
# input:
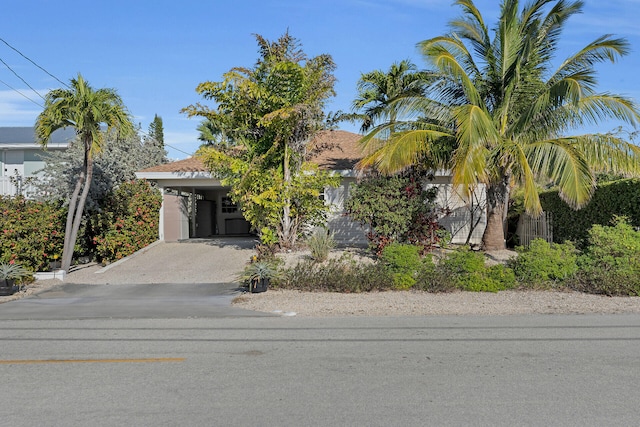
<point x="508" y="110"/>
<point x="270" y="113"/>
<point x="85" y="109"/>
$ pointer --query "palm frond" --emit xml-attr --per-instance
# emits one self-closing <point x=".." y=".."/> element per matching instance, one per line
<point x="562" y="161"/>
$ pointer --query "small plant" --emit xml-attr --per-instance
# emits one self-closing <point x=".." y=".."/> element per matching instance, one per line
<point x="9" y="274"/>
<point x="320" y="243"/>
<point x="258" y="275"/>
<point x="545" y="264"/>
<point x="14" y="271"/>
<point x="258" y="271"/>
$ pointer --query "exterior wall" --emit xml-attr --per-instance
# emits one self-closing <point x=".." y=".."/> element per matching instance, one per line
<point x="460" y="210"/>
<point x="346" y="232"/>
<point x="21" y="157"/>
<point x="174" y="218"/>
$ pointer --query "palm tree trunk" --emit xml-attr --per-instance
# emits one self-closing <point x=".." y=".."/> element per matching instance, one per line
<point x="497" y="202"/>
<point x="79" y="209"/>
<point x="68" y="246"/>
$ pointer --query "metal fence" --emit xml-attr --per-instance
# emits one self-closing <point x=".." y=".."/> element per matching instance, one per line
<point x="530" y="228"/>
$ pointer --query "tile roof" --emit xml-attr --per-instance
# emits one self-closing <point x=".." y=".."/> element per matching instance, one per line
<point x="192" y="164"/>
<point x="339" y="150"/>
<point x="336" y="150"/>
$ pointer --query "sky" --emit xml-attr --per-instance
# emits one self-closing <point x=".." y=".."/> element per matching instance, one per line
<point x="155" y="53"/>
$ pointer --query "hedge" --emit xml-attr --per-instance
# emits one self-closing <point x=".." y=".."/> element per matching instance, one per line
<point x="611" y="199"/>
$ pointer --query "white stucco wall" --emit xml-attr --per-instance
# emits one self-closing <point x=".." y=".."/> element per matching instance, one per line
<point x="346" y="232"/>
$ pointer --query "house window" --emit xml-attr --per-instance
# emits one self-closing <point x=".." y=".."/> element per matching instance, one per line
<point x="228" y="206"/>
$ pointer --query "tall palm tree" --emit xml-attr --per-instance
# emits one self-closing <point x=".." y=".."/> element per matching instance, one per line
<point x="87" y="110"/>
<point x="510" y="110"/>
<point x="379" y="93"/>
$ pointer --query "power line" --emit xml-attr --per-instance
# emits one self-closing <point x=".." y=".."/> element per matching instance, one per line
<point x="16" y="90"/>
<point x="165" y="144"/>
<point x="23" y="80"/>
<point x="28" y="59"/>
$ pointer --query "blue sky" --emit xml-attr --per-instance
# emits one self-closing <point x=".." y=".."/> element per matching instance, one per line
<point x="155" y="53"/>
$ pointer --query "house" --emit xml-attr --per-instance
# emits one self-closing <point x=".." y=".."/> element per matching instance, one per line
<point x="197" y="205"/>
<point x="21" y="157"/>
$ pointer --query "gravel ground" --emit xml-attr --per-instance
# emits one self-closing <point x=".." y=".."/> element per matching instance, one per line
<point x="410" y="303"/>
<point x="415" y="303"/>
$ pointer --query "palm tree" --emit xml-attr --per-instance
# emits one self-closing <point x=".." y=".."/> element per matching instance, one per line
<point x="379" y="93"/>
<point x="510" y="110"/>
<point x="85" y="109"/>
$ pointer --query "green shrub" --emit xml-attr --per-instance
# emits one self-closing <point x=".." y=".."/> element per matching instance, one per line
<point x="395" y="209"/>
<point x="336" y="275"/>
<point x="610" y="264"/>
<point x="544" y="264"/>
<point x="130" y="220"/>
<point x="432" y="278"/>
<point x="320" y="243"/>
<point x="462" y="260"/>
<point x="403" y="262"/>
<point x="31" y="233"/>
<point x="465" y="269"/>
<point x="503" y="276"/>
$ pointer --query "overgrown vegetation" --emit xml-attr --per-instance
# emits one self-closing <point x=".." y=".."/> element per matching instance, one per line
<point x="610" y="265"/>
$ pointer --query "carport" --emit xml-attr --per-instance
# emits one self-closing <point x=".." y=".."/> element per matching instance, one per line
<point x="193" y="203"/>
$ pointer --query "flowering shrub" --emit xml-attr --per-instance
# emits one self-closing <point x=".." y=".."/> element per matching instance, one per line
<point x="31" y="233"/>
<point x="129" y="220"/>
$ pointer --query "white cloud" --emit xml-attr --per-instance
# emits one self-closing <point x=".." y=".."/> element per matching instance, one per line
<point x="15" y="110"/>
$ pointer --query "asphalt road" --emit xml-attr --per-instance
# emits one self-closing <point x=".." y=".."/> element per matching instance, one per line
<point x="478" y="371"/>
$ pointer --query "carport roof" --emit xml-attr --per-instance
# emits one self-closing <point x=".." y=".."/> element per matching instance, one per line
<point x="336" y="150"/>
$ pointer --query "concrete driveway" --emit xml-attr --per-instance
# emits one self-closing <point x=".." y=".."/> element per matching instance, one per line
<point x="166" y="280"/>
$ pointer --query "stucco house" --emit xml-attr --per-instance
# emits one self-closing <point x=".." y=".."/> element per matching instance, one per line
<point x="197" y="205"/>
<point x="21" y="157"/>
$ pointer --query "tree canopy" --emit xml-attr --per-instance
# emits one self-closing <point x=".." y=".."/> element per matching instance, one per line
<point x="263" y="121"/>
<point x="510" y="107"/>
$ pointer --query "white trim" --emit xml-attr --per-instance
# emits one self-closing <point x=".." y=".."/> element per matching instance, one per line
<point x="173" y="175"/>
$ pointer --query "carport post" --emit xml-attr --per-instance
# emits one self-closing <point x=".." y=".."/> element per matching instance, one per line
<point x="193" y="211"/>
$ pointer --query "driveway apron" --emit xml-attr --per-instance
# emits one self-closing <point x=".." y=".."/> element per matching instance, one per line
<point x="189" y="279"/>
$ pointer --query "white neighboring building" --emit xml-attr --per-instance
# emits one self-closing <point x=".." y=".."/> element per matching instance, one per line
<point x="21" y="157"/>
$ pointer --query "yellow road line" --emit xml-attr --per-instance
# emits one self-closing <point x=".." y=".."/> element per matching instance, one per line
<point x="150" y="360"/>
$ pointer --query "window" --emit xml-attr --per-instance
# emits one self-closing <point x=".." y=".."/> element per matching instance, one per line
<point x="228" y="206"/>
